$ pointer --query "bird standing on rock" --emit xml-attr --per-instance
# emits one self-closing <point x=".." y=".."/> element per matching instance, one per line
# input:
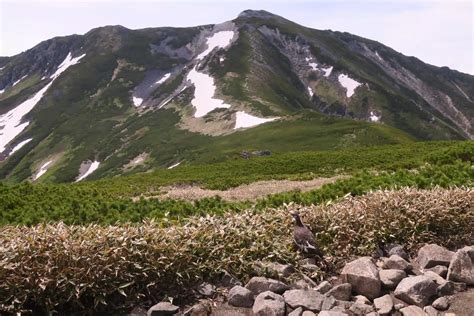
<point x="304" y="238"/>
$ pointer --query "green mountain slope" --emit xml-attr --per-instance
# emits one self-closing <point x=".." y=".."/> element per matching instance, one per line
<point x="125" y="99"/>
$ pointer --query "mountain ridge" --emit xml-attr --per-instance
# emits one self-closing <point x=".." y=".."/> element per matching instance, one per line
<point x="136" y="93"/>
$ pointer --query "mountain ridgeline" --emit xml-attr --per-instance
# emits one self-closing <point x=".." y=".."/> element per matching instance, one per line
<point x="118" y="101"/>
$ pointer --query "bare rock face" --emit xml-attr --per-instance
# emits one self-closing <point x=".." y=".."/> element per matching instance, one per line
<point x="383" y="305"/>
<point x="461" y="268"/>
<point x="363" y="275"/>
<point x="240" y="296"/>
<point x="162" y="309"/>
<point x="432" y="255"/>
<point x="260" y="284"/>
<point x="269" y="304"/>
<point x="341" y="292"/>
<point x="391" y="277"/>
<point x="308" y="299"/>
<point x="417" y="290"/>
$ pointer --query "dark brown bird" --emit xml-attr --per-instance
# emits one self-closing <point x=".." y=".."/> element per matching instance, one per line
<point x="304" y="238"/>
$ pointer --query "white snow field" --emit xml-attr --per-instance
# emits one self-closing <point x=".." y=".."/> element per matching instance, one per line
<point x="10" y="122"/>
<point x="204" y="87"/>
<point x="327" y="71"/>
<point x="310" y="92"/>
<point x="349" y="84"/>
<point x="42" y="170"/>
<point x="19" y="145"/>
<point x="137" y="101"/>
<point x="243" y="120"/>
<point x="175" y="165"/>
<point x="164" y="78"/>
<point x="18" y="81"/>
<point x="374" y="117"/>
<point x="93" y="167"/>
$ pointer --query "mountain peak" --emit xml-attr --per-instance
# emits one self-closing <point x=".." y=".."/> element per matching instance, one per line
<point x="256" y="14"/>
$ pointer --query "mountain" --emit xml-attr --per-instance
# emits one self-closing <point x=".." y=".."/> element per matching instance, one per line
<point x="116" y="101"/>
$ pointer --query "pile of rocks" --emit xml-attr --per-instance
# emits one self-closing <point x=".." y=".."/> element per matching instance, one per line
<point x="393" y="284"/>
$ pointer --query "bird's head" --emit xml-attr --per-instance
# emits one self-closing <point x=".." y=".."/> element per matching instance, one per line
<point x="297" y="218"/>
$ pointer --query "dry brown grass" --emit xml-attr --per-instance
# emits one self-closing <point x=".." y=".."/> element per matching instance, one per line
<point x="73" y="267"/>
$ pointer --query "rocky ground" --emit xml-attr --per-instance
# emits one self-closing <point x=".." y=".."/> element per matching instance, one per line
<point x="436" y="282"/>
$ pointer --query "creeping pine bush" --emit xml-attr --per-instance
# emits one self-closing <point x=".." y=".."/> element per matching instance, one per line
<point x="64" y="268"/>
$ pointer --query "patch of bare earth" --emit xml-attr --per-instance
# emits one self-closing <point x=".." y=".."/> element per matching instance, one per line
<point x="244" y="192"/>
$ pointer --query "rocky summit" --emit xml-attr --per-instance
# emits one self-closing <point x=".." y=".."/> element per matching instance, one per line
<point x="118" y="101"/>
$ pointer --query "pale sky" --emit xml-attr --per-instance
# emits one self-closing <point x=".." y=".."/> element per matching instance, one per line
<point x="438" y="32"/>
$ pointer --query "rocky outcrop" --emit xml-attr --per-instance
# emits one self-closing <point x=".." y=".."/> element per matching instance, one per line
<point x="433" y="255"/>
<point x="417" y="290"/>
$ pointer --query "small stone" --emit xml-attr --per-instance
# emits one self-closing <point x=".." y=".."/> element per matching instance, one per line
<point x="275" y="268"/>
<point x="399" y="251"/>
<point x="341" y="292"/>
<point x="446" y="289"/>
<point x="442" y="271"/>
<point x="332" y="313"/>
<point x="383" y="305"/>
<point x="362" y="299"/>
<point x="412" y="310"/>
<point x="430" y="311"/>
<point x="416" y="290"/>
<point x="363" y="275"/>
<point x="397" y="263"/>
<point x="302" y="284"/>
<point x="361" y="309"/>
<point x="308" y="299"/>
<point x="240" y="296"/>
<point x="260" y="284"/>
<point x="308" y="313"/>
<point x="206" y="289"/>
<point x="269" y="304"/>
<point x="432" y="255"/>
<point x="390" y="278"/>
<point x="441" y="304"/>
<point x="162" y="309"/>
<point x="296" y="312"/>
<point x="461" y="268"/>
<point x="328" y="303"/>
<point x="323" y="287"/>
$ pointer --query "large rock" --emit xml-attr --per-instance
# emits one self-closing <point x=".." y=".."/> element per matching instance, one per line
<point x="363" y="275"/>
<point x="417" y="290"/>
<point x="412" y="310"/>
<point x="329" y="302"/>
<point x="396" y="262"/>
<point x="432" y="255"/>
<point x="162" y="309"/>
<point x="361" y="309"/>
<point x="269" y="304"/>
<point x="442" y="271"/>
<point x="441" y="304"/>
<point x="447" y="288"/>
<point x="461" y="268"/>
<point x="390" y="278"/>
<point x="430" y="311"/>
<point x="308" y="299"/>
<point x="260" y="284"/>
<point x="341" y="292"/>
<point x="296" y="312"/>
<point x="240" y="296"/>
<point x="383" y="305"/>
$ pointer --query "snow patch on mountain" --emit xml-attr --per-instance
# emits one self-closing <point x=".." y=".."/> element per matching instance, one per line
<point x="42" y="170"/>
<point x="10" y="122"/>
<point x="175" y="165"/>
<point x="374" y="117"/>
<point x="348" y="83"/>
<point x="217" y="40"/>
<point x="378" y="56"/>
<point x="327" y="71"/>
<point x="19" y="146"/>
<point x="137" y="101"/>
<point x="243" y="120"/>
<point x="91" y="168"/>
<point x="164" y="78"/>
<point x="18" y="81"/>
<point x="310" y="91"/>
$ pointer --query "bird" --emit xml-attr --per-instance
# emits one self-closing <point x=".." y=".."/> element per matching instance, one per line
<point x="304" y="238"/>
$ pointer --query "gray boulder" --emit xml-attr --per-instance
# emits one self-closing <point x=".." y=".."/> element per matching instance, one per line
<point x="260" y="284"/>
<point x="396" y="262"/>
<point x="442" y="271"/>
<point x="361" y="309"/>
<point x="308" y="313"/>
<point x="398" y="250"/>
<point x="390" y="278"/>
<point x="269" y="304"/>
<point x="461" y="268"/>
<point x="434" y="277"/>
<point x="341" y="292"/>
<point x="329" y="302"/>
<point x="383" y="305"/>
<point x="363" y="275"/>
<point x="206" y="289"/>
<point x="447" y="288"/>
<point x="412" y="310"/>
<point x="323" y="287"/>
<point x="163" y="309"/>
<point x="308" y="299"/>
<point x="362" y="299"/>
<point x="441" y="304"/>
<point x="240" y="296"/>
<point x="417" y="290"/>
<point x="432" y="255"/>
<point x="202" y="308"/>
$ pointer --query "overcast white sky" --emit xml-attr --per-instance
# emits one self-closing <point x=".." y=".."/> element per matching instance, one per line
<point x="438" y="32"/>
